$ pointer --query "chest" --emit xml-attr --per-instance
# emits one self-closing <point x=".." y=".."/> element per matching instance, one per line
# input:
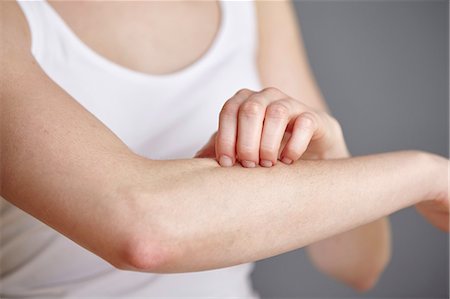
<point x="155" y="37"/>
<point x="158" y="116"/>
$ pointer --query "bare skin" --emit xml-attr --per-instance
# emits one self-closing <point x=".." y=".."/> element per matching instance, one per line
<point x="150" y="209"/>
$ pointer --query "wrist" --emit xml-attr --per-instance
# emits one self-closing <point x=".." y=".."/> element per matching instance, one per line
<point x="435" y="169"/>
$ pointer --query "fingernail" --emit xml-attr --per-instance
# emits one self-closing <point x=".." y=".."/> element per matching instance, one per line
<point x="266" y="163"/>
<point x="286" y="160"/>
<point x="248" y="164"/>
<point x="225" y="161"/>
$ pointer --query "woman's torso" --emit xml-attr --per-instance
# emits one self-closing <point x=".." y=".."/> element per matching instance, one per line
<point x="160" y="110"/>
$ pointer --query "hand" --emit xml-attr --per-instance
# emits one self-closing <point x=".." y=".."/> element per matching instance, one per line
<point x="262" y="127"/>
<point x="436" y="210"/>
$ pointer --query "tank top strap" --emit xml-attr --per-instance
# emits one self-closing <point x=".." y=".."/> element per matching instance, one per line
<point x="33" y="14"/>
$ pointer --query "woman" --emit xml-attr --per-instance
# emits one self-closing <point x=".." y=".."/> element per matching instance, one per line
<point x="104" y="104"/>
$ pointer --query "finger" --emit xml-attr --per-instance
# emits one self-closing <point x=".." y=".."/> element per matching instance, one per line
<point x="276" y="119"/>
<point x="439" y="220"/>
<point x="250" y="123"/>
<point x="284" y="141"/>
<point x="305" y="126"/>
<point x="227" y="133"/>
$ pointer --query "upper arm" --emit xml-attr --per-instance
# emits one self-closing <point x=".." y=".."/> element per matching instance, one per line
<point x="282" y="58"/>
<point x="58" y="162"/>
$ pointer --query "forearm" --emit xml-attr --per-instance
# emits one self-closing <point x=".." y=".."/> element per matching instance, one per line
<point x="224" y="216"/>
<point x="356" y="257"/>
<point x="189" y="215"/>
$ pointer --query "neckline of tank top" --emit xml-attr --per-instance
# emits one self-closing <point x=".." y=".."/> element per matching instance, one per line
<point x="120" y="70"/>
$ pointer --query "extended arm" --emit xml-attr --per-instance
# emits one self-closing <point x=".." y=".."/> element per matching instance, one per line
<point x="62" y="166"/>
<point x="356" y="257"/>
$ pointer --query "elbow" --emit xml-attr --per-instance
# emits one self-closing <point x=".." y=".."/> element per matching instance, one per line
<point x="364" y="283"/>
<point x="368" y="277"/>
<point x="149" y="250"/>
<point x="361" y="276"/>
<point x="138" y="253"/>
<point x="141" y="255"/>
<point x="145" y="245"/>
<point x="369" y="273"/>
<point x="360" y="281"/>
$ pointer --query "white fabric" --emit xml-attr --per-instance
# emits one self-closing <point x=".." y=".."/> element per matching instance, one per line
<point x="160" y="117"/>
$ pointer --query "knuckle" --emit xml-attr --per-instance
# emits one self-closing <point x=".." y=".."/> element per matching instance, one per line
<point x="225" y="144"/>
<point x="271" y="90"/>
<point x="251" y="108"/>
<point x="245" y="152"/>
<point x="310" y="115"/>
<point x="307" y="120"/>
<point x="229" y="109"/>
<point x="257" y="97"/>
<point x="267" y="151"/>
<point x="277" y="110"/>
<point x="243" y="92"/>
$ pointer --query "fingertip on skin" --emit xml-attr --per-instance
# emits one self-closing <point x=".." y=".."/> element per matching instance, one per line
<point x="225" y="161"/>
<point x="286" y="160"/>
<point x="291" y="154"/>
<point x="304" y="128"/>
<point x="266" y="163"/>
<point x="248" y="164"/>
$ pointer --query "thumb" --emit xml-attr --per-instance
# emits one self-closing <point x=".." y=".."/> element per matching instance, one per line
<point x="208" y="150"/>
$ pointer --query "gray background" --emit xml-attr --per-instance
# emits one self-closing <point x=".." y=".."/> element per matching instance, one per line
<point x="383" y="68"/>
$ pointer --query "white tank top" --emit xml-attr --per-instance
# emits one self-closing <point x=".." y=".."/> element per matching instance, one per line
<point x="157" y="116"/>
